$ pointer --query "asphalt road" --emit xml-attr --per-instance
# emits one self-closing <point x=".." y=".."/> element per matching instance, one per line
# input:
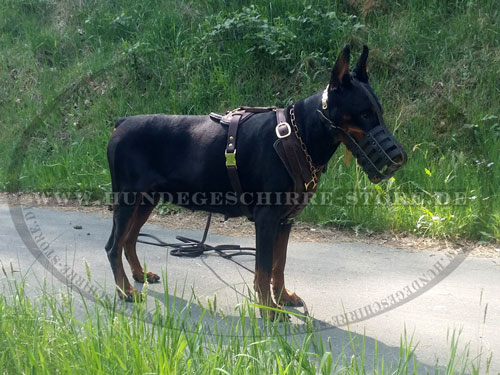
<point x="372" y="290"/>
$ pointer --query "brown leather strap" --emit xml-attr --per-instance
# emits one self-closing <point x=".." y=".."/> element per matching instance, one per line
<point x="294" y="159"/>
<point x="232" y="132"/>
<point x="257" y="109"/>
<point x="287" y="146"/>
<point x="280" y="115"/>
<point x="245" y="113"/>
<point x="293" y="156"/>
<point x="232" y="169"/>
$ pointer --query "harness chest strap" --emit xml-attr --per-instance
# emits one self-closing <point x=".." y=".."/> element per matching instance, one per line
<point x="294" y="157"/>
<point x="289" y="147"/>
<point x="289" y="153"/>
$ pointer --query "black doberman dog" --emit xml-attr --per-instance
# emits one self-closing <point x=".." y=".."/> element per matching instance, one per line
<point x="185" y="154"/>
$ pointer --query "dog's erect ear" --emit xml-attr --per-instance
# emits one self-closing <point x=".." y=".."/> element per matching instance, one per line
<point x="361" y="70"/>
<point x="341" y="68"/>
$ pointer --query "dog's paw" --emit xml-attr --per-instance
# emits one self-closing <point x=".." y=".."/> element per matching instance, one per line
<point x="275" y="316"/>
<point x="287" y="298"/>
<point x="132" y="295"/>
<point x="150" y="277"/>
<point x="280" y="317"/>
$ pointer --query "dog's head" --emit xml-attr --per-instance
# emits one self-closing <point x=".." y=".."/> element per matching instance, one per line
<point x="351" y="108"/>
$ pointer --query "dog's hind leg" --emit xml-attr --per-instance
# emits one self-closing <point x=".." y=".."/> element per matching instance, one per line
<point x="111" y="239"/>
<point x="122" y="219"/>
<point x="282" y="295"/>
<point x="266" y="228"/>
<point x="140" y="217"/>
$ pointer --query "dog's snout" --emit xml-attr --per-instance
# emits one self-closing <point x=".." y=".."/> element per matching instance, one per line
<point x="399" y="159"/>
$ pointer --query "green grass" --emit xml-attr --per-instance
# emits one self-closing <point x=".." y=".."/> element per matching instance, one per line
<point x="69" y="69"/>
<point x="43" y="336"/>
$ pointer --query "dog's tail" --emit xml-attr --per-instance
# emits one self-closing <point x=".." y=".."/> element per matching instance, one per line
<point x="111" y="162"/>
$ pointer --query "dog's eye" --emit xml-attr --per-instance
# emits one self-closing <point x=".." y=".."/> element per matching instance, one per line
<point x="366" y="115"/>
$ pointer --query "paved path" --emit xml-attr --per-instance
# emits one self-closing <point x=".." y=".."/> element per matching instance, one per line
<point x="381" y="291"/>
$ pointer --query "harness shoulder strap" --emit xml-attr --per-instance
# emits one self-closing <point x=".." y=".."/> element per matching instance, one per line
<point x="291" y="154"/>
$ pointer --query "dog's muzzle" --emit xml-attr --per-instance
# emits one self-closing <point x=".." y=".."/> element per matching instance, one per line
<point x="378" y="153"/>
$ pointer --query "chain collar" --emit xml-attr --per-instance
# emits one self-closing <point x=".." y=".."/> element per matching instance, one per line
<point x="314" y="171"/>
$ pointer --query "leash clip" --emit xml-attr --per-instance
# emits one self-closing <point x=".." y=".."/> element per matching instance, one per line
<point x="279" y="128"/>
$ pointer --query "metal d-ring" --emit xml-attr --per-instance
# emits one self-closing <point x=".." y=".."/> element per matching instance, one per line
<point x="288" y="128"/>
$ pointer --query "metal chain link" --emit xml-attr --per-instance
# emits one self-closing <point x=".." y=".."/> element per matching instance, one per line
<point x="312" y="168"/>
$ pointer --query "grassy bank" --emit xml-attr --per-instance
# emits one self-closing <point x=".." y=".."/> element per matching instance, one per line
<point x="69" y="69"/>
<point x="43" y="336"/>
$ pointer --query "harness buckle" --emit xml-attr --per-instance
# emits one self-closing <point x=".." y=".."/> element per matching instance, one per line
<point x="283" y="126"/>
<point x="230" y="159"/>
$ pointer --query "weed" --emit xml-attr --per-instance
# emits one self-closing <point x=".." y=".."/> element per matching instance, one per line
<point x="45" y="336"/>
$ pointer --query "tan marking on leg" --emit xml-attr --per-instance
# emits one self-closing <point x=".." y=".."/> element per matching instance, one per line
<point x="263" y="289"/>
<point x="125" y="290"/>
<point x="139" y="218"/>
<point x="282" y="295"/>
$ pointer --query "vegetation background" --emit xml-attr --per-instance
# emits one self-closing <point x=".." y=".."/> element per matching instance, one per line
<point x="69" y="68"/>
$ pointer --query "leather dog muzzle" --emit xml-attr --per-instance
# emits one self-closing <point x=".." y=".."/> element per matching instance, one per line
<point x="378" y="153"/>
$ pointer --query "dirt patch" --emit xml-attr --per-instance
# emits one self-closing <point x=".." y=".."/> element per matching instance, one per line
<point x="302" y="232"/>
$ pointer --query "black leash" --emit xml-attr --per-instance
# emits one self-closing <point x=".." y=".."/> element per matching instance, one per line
<point x="192" y="248"/>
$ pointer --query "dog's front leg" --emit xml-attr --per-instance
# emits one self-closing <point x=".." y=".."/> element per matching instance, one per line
<point x="266" y="228"/>
<point x="281" y="294"/>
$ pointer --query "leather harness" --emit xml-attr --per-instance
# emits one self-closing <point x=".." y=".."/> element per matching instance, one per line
<point x="289" y="147"/>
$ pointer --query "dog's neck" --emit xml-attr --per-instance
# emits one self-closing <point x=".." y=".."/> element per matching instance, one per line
<point x="319" y="138"/>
